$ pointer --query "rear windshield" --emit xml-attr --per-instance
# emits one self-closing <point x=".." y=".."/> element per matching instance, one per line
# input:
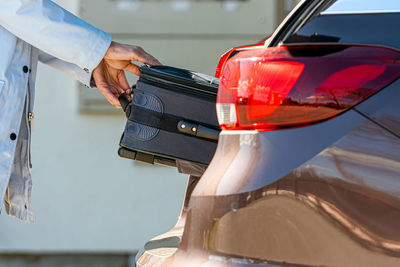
<point x="351" y="22"/>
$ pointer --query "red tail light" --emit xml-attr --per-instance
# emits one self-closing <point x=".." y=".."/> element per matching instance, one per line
<point x="224" y="58"/>
<point x="292" y="86"/>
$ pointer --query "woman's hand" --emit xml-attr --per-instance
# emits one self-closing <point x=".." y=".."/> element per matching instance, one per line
<point x="109" y="75"/>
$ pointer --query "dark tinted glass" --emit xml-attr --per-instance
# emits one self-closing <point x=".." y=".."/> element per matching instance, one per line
<point x="336" y="24"/>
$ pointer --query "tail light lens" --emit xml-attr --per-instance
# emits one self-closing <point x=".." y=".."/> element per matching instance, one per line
<point x="224" y="58"/>
<point x="280" y="87"/>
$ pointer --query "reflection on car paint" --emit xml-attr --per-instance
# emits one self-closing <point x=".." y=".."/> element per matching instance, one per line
<point x="341" y="208"/>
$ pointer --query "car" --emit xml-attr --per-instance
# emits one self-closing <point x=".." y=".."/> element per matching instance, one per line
<point x="307" y="168"/>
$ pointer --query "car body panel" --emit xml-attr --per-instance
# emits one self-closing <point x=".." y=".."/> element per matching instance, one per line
<point x="384" y="108"/>
<point x="340" y="208"/>
<point x="343" y="201"/>
<point x="237" y="168"/>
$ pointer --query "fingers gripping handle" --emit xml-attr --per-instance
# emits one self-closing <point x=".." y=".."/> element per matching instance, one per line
<point x="124" y="101"/>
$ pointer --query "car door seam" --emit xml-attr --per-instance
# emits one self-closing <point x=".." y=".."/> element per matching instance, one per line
<point x="376" y="122"/>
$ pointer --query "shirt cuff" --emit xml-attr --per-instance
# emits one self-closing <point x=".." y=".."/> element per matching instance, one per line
<point x="98" y="51"/>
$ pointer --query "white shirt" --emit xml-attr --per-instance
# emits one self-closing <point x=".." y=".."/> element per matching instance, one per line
<point x="33" y="30"/>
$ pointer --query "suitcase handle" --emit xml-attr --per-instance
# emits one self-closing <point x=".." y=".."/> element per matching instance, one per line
<point x="125" y="101"/>
<point x="198" y="130"/>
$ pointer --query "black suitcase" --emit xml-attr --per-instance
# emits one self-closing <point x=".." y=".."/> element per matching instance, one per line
<point x="171" y="119"/>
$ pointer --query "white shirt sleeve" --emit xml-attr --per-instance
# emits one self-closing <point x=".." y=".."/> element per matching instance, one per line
<point x="70" y="69"/>
<point x="55" y="31"/>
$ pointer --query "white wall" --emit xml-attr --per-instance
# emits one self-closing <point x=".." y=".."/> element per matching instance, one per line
<point x="86" y="198"/>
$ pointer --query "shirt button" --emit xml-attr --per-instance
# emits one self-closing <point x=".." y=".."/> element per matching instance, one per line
<point x="31" y="116"/>
<point x="86" y="70"/>
<point x="25" y="69"/>
<point x="13" y="136"/>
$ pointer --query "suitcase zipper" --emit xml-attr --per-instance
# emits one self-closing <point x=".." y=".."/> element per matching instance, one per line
<point x="185" y="89"/>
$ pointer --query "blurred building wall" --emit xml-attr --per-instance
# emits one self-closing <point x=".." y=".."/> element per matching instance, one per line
<point x="86" y="198"/>
<point x="190" y="34"/>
